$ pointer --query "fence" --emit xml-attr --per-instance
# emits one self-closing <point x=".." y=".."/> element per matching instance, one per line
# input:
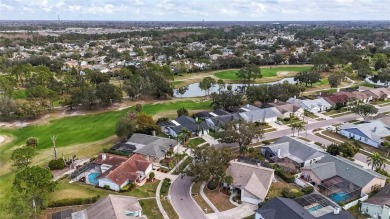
<point x="351" y="204"/>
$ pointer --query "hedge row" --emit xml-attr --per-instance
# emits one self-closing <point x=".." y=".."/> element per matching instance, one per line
<point x="75" y="201"/>
<point x="285" y="176"/>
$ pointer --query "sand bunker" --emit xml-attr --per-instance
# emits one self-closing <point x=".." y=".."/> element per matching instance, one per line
<point x="282" y="73"/>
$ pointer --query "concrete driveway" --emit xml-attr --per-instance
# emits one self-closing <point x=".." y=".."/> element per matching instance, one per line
<point x="182" y="201"/>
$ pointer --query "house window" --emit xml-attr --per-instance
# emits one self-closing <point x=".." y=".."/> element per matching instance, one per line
<point x="365" y="139"/>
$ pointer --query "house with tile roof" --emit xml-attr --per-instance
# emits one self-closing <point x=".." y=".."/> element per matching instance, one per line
<point x="339" y="175"/>
<point x="254" y="181"/>
<point x="377" y="93"/>
<point x="378" y="206"/>
<point x="370" y="132"/>
<point x="286" y="110"/>
<point x="118" y="171"/>
<point x="113" y="207"/>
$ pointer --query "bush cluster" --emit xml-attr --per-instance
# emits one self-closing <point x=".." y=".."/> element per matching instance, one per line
<point x="57" y="164"/>
<point x="212" y="185"/>
<point x="75" y="201"/>
<point x="285" y="176"/>
<point x="165" y="186"/>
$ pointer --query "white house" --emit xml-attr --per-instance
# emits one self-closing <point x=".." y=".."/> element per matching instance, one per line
<point x="314" y="106"/>
<point x="378" y="206"/>
<point x="254" y="181"/>
<point x="371" y="132"/>
<point x="262" y="115"/>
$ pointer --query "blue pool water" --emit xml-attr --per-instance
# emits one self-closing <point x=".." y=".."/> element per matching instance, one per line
<point x="92" y="178"/>
<point x="314" y="208"/>
<point x="339" y="197"/>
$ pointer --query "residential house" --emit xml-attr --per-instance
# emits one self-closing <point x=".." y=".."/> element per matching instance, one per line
<point x="113" y="207"/>
<point x="248" y="108"/>
<point x="314" y="106"/>
<point x="371" y="132"/>
<point x="153" y="148"/>
<point x="215" y="123"/>
<point x="175" y="127"/>
<point x="345" y="178"/>
<point x="378" y="206"/>
<point x="377" y="93"/>
<point x="219" y="112"/>
<point x="289" y="150"/>
<point x="254" y="181"/>
<point x="261" y="115"/>
<point x="303" y="208"/>
<point x="286" y="110"/>
<point x="118" y="171"/>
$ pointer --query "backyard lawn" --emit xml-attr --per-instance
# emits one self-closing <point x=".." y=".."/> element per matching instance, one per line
<point x="265" y="71"/>
<point x="195" y="142"/>
<point x="65" y="190"/>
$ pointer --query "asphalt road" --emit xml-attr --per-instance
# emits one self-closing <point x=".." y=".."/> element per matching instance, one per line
<point x="182" y="201"/>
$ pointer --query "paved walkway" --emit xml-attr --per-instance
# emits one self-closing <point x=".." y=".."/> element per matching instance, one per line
<point x="158" y="200"/>
<point x="209" y="139"/>
<point x="212" y="206"/>
<point x="243" y="211"/>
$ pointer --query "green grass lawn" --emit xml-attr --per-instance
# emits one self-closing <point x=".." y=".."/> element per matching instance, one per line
<point x="89" y="128"/>
<point x="150" y="209"/>
<point x="265" y="71"/>
<point x="177" y="84"/>
<point x="183" y="165"/>
<point x="195" y="142"/>
<point x="169" y="209"/>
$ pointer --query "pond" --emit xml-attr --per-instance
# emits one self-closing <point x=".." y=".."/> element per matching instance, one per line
<point x="195" y="91"/>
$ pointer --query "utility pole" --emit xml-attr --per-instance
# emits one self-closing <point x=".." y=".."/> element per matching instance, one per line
<point x="53" y="140"/>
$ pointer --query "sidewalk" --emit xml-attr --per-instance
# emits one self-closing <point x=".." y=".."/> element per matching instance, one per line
<point x="209" y="139"/>
<point x="212" y="206"/>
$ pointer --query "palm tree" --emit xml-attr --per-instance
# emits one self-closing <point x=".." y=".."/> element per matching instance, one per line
<point x="184" y="134"/>
<point x="299" y="127"/>
<point x="293" y="128"/>
<point x="387" y="146"/>
<point x="376" y="161"/>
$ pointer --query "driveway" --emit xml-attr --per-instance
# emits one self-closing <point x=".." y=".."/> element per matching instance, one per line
<point x="182" y="201"/>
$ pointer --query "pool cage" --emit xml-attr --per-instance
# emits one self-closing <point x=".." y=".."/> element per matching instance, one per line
<point x="313" y="198"/>
<point x="339" y="189"/>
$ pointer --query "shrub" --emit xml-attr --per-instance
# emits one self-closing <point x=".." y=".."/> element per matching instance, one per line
<point x="239" y="201"/>
<point x="125" y="188"/>
<point x="266" y="142"/>
<point x="32" y="141"/>
<point x="307" y="189"/>
<point x="75" y="201"/>
<point x="167" y="179"/>
<point x="57" y="164"/>
<point x="106" y="187"/>
<point x="285" y="176"/>
<point x="212" y="185"/>
<point x="318" y="143"/>
<point x="291" y="193"/>
<point x="234" y="198"/>
<point x="151" y="175"/>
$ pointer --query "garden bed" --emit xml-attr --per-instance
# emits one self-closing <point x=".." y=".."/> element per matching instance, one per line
<point x="219" y="199"/>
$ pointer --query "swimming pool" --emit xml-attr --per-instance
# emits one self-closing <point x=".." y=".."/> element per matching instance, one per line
<point x="339" y="197"/>
<point x="92" y="178"/>
<point x="314" y="208"/>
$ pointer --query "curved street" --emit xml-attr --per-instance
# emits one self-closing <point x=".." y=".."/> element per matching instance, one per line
<point x="182" y="201"/>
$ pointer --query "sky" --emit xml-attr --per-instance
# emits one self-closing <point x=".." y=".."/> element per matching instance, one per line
<point x="195" y="10"/>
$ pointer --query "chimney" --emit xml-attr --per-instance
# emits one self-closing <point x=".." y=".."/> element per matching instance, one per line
<point x="276" y="100"/>
<point x="247" y="106"/>
<point x="320" y="93"/>
<point x="154" y="133"/>
<point x="336" y="210"/>
<point x="338" y="90"/>
<point x="295" y="97"/>
<point x="374" y="129"/>
<point x="279" y="156"/>
<point x="104" y="156"/>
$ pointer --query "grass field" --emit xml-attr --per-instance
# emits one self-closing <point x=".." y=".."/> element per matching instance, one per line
<point x="150" y="208"/>
<point x="89" y="128"/>
<point x="265" y="71"/>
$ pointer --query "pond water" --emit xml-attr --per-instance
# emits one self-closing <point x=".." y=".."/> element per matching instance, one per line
<point x="195" y="91"/>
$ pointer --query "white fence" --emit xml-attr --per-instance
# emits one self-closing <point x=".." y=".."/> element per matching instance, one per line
<point x="300" y="182"/>
<point x="351" y="204"/>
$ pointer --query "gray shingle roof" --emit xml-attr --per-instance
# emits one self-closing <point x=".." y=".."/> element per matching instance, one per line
<point x="381" y="198"/>
<point x="258" y="115"/>
<point x="373" y="129"/>
<point x="111" y="206"/>
<point x="351" y="171"/>
<point x="323" y="170"/>
<point x="295" y="149"/>
<point x="151" y="145"/>
<point x="278" y="208"/>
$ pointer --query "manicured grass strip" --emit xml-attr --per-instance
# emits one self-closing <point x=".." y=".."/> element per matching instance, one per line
<point x="66" y="190"/>
<point x="89" y="128"/>
<point x="327" y="138"/>
<point x="195" y="142"/>
<point x="198" y="198"/>
<point x="265" y="71"/>
<point x="341" y="114"/>
<point x="183" y="165"/>
<point x="169" y="209"/>
<point x="150" y="208"/>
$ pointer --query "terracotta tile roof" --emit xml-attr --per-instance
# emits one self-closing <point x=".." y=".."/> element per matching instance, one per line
<point x="110" y="159"/>
<point x="127" y="170"/>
